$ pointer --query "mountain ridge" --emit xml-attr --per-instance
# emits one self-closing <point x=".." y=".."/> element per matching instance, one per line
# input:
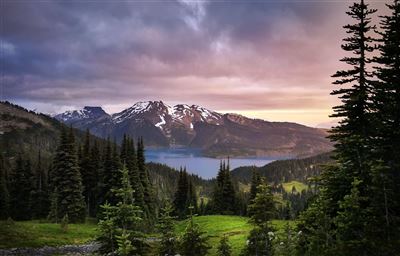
<point x="185" y="125"/>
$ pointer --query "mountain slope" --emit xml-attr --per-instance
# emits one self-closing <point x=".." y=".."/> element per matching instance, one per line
<point x="27" y="132"/>
<point x="194" y="126"/>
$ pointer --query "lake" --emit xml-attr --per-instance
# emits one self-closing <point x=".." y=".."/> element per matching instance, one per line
<point x="192" y="159"/>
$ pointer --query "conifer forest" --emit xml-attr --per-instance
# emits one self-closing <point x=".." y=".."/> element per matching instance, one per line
<point x="184" y="180"/>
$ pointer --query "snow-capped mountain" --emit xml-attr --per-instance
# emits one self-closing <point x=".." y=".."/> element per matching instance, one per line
<point x="163" y="116"/>
<point x="162" y="125"/>
<point x="85" y="113"/>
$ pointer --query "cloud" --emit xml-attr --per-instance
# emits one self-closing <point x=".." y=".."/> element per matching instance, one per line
<point x="237" y="55"/>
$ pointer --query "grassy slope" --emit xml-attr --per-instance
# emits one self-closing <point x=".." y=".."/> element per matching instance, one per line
<point x="235" y="227"/>
<point x="36" y="234"/>
<point x="297" y="184"/>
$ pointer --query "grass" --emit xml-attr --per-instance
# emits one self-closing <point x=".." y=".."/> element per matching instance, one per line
<point x="37" y="234"/>
<point x="235" y="227"/>
<point x="297" y="184"/>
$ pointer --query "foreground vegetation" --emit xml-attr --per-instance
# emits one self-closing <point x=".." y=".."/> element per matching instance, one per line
<point x="39" y="234"/>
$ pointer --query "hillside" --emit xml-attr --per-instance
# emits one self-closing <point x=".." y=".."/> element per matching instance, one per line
<point x="27" y="132"/>
<point x="193" y="126"/>
<point x="285" y="170"/>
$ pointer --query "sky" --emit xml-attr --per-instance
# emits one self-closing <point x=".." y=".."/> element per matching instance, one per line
<point x="270" y="59"/>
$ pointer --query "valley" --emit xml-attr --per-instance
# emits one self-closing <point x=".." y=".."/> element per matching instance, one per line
<point x="200" y="128"/>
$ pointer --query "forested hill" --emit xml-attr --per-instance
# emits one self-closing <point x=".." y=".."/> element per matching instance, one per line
<point x="285" y="170"/>
<point x="26" y="132"/>
<point x="165" y="179"/>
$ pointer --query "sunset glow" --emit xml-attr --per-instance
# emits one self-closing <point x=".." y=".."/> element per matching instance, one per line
<point x="266" y="59"/>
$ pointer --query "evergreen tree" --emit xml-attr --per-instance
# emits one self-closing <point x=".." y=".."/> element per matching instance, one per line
<point x="145" y="180"/>
<point x="192" y="196"/>
<point x="353" y="146"/>
<point x="353" y="133"/>
<point x="124" y="150"/>
<point x="131" y="164"/>
<point x="106" y="174"/>
<point x="89" y="175"/>
<point x="317" y="222"/>
<point x="181" y="195"/>
<point x="224" y="196"/>
<point x="67" y="183"/>
<point x="168" y="241"/>
<point x="118" y="232"/>
<point x="20" y="189"/>
<point x="95" y="167"/>
<point x="4" y="193"/>
<point x="111" y="173"/>
<point x="193" y="241"/>
<point x="40" y="194"/>
<point x="261" y="211"/>
<point x="224" y="248"/>
<point x="386" y="139"/>
<point x="255" y="182"/>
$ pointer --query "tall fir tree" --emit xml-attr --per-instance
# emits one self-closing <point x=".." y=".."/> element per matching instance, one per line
<point x="40" y="194"/>
<point x="111" y="173"/>
<point x="118" y="233"/>
<point x="88" y="177"/>
<point x="105" y="175"/>
<point x="181" y="195"/>
<point x="96" y="167"/>
<point x="67" y="181"/>
<point x="261" y="211"/>
<point x="20" y="189"/>
<point x="148" y="195"/>
<point x="131" y="164"/>
<point x="168" y="245"/>
<point x="345" y="205"/>
<point x="124" y="149"/>
<point x="193" y="241"/>
<point x="386" y="139"/>
<point x="255" y="182"/>
<point x="353" y="135"/>
<point x="224" y="195"/>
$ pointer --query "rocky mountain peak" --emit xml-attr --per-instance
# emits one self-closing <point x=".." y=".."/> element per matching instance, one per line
<point x="88" y="112"/>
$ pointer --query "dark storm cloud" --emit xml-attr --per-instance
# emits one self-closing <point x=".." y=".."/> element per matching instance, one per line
<point x="72" y="53"/>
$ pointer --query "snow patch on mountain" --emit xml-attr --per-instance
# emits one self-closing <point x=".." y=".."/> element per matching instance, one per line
<point x="161" y="123"/>
<point x="139" y="107"/>
<point x="85" y="113"/>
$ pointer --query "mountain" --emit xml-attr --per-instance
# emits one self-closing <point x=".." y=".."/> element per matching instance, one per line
<point x="193" y="126"/>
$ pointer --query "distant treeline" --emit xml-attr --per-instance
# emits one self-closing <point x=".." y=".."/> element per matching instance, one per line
<point x="285" y="170"/>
